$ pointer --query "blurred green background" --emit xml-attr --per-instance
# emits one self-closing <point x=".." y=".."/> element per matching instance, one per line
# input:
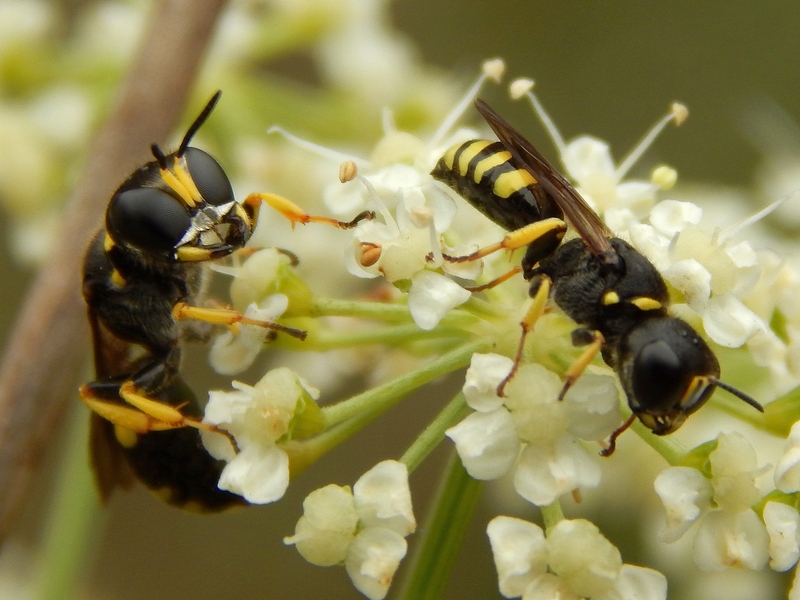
<point x="605" y="68"/>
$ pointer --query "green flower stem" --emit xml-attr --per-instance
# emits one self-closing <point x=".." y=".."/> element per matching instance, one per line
<point x="382" y="311"/>
<point x="552" y="515"/>
<point x="442" y="534"/>
<point x="391" y="335"/>
<point x="668" y="447"/>
<point x="346" y="418"/>
<point x="73" y="520"/>
<point x="434" y="433"/>
<point x="384" y="396"/>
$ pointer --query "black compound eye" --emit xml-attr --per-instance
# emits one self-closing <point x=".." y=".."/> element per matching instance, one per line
<point x="148" y="219"/>
<point x="659" y="377"/>
<point x="207" y="174"/>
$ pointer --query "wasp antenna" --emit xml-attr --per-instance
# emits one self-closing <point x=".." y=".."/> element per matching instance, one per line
<point x="160" y="158"/>
<point x="739" y="394"/>
<point x="198" y="122"/>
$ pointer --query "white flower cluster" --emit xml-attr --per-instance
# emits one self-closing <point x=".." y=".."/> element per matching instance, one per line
<point x="364" y="529"/>
<point x="257" y="417"/>
<point x="573" y="561"/>
<point x="728" y="532"/>
<point x="531" y="431"/>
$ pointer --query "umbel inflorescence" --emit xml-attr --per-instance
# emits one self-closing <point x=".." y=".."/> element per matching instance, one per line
<point x="441" y="315"/>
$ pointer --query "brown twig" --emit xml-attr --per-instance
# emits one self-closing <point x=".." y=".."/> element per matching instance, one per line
<point x="48" y="346"/>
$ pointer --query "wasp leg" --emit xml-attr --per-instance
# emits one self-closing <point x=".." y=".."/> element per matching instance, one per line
<point x="229" y="317"/>
<point x="295" y="214"/>
<point x="612" y="440"/>
<point x="546" y="234"/>
<point x="494" y="282"/>
<point x="534" y="312"/>
<point x="594" y="341"/>
<point x="143" y="414"/>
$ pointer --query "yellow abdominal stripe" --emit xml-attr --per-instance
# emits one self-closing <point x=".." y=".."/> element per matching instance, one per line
<point x="468" y="153"/>
<point x="511" y="182"/>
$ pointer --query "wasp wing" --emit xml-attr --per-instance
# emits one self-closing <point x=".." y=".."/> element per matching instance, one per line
<point x="111" y="470"/>
<point x="586" y="222"/>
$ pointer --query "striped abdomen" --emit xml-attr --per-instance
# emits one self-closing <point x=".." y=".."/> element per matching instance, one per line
<point x="484" y="173"/>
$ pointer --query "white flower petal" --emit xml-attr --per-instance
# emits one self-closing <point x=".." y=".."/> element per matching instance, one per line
<point x="731" y="540"/>
<point x="543" y="474"/>
<point x="787" y="469"/>
<point x="734" y="469"/>
<point x="585" y="157"/>
<point x="686" y="495"/>
<point x="432" y="296"/>
<point x="637" y="583"/>
<point x="383" y="498"/>
<point x="260" y="474"/>
<point x="672" y="216"/>
<point x="582" y="557"/>
<point x="593" y="403"/>
<point x="729" y="322"/>
<point x="519" y="551"/>
<point x="320" y="547"/>
<point x="373" y="559"/>
<point x="783" y="526"/>
<point x="487" y="443"/>
<point x="549" y="587"/>
<point x="485" y="373"/>
<point x="693" y="280"/>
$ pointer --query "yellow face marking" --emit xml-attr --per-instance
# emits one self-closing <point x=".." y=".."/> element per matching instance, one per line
<point x="175" y="185"/>
<point x="645" y="303"/>
<point x="117" y="279"/>
<point x="511" y="182"/>
<point x="126" y="437"/>
<point x="192" y="254"/>
<point x="469" y="153"/>
<point x="108" y="243"/>
<point x="611" y="297"/>
<point x="490" y="162"/>
<point x="183" y="176"/>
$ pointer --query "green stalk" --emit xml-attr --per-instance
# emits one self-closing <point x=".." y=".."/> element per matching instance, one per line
<point x="73" y="521"/>
<point x="391" y="335"/>
<point x="434" y="433"/>
<point x="668" y="447"/>
<point x="382" y="311"/>
<point x="348" y="417"/>
<point x="552" y="515"/>
<point x="382" y="397"/>
<point x="442" y="534"/>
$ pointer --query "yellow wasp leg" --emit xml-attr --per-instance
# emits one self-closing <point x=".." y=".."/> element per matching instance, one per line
<point x="494" y="282"/>
<point x="518" y="238"/>
<point x="229" y="317"/>
<point x="534" y="312"/>
<point x="295" y="214"/>
<point x="577" y="368"/>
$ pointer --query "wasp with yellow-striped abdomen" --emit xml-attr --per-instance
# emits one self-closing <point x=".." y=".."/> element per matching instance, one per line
<point x="615" y="295"/>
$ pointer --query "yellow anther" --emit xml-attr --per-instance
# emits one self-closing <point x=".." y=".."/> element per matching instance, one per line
<point x="664" y="177"/>
<point x="347" y="171"/>
<point x="370" y="254"/>
<point x="679" y="112"/>
<point x="520" y="87"/>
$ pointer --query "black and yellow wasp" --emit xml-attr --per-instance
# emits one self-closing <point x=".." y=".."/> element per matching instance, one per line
<point x="143" y="277"/>
<point x="615" y="295"/>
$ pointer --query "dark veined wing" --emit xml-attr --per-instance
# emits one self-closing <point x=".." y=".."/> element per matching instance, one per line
<point x="586" y="222"/>
<point x="111" y="470"/>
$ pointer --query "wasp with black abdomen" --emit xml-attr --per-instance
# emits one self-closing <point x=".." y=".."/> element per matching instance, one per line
<point x="615" y="295"/>
<point x="144" y="276"/>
